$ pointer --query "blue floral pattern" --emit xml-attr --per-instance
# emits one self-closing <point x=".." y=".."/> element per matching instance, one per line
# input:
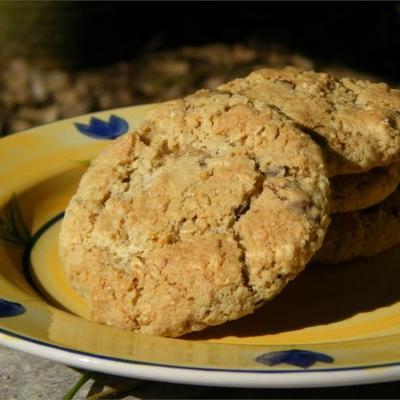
<point x="298" y="358"/>
<point x="99" y="129"/>
<point x="10" y="309"/>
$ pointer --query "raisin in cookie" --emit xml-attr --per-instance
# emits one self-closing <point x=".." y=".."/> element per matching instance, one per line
<point x="362" y="233"/>
<point x="196" y="218"/>
<point x="358" y="191"/>
<point x="357" y="123"/>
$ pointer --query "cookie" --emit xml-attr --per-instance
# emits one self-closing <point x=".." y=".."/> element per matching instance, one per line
<point x="358" y="191"/>
<point x="356" y="122"/>
<point x="196" y="218"/>
<point x="362" y="233"/>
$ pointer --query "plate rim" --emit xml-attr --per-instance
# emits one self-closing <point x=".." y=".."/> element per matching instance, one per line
<point x="306" y="378"/>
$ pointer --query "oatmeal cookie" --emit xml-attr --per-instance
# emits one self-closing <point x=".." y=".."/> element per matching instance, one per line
<point x="357" y="123"/>
<point x="196" y="218"/>
<point x="362" y="233"/>
<point x="358" y="191"/>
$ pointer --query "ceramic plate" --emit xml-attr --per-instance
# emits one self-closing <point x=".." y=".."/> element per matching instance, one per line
<point x="334" y="325"/>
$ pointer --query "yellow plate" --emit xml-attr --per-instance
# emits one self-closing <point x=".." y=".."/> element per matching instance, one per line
<point x="334" y="325"/>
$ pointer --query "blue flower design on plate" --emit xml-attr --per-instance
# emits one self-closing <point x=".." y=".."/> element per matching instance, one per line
<point x="98" y="129"/>
<point x="10" y="309"/>
<point x="298" y="358"/>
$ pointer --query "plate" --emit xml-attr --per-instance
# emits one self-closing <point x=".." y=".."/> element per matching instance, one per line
<point x="334" y="325"/>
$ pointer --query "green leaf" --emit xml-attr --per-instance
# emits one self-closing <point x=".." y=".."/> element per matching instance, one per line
<point x="103" y="386"/>
<point x="18" y="220"/>
<point x="75" y="389"/>
<point x="12" y="227"/>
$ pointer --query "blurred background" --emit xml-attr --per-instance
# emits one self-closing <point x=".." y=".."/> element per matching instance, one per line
<point x="61" y="59"/>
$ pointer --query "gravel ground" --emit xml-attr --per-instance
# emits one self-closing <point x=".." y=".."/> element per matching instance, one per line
<point x="30" y="95"/>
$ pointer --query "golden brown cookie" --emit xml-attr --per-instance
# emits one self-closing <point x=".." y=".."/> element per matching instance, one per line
<point x="357" y="123"/>
<point x="358" y="191"/>
<point x="362" y="233"/>
<point x="205" y="211"/>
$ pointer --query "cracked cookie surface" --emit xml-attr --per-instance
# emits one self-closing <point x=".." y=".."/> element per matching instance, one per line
<point x="196" y="218"/>
<point x="359" y="191"/>
<point x="357" y="123"/>
<point x="362" y="233"/>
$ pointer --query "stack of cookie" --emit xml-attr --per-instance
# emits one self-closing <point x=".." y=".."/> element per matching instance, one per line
<point x="366" y="215"/>
<point x="356" y="123"/>
<point x="210" y="207"/>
